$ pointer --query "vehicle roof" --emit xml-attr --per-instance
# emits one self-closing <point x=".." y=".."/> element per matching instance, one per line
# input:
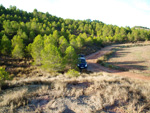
<point x="81" y="55"/>
<point x="81" y="58"/>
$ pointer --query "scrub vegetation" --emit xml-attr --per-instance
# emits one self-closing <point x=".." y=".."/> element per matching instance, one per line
<point x="94" y="92"/>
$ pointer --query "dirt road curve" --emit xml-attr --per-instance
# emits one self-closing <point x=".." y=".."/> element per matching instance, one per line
<point x="94" y="67"/>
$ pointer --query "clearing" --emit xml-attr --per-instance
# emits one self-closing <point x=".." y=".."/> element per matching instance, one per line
<point x="134" y="55"/>
<point x="134" y="59"/>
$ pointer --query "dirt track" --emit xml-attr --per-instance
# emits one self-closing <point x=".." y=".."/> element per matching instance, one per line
<point x="94" y="67"/>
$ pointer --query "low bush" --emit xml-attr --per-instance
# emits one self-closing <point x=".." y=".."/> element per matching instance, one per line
<point x="103" y="61"/>
<point x="104" y="58"/>
<point x="72" y="73"/>
<point x="3" y="76"/>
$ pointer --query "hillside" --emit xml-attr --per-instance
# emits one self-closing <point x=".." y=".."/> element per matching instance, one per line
<point x="31" y="35"/>
<point x="38" y="72"/>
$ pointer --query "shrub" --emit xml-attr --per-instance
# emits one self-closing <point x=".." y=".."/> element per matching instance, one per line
<point x="72" y="73"/>
<point x="3" y="74"/>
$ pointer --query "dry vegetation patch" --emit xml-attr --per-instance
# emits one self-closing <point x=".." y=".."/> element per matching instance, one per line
<point x="88" y="93"/>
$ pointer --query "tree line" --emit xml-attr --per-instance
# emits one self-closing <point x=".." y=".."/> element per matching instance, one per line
<point x="54" y="42"/>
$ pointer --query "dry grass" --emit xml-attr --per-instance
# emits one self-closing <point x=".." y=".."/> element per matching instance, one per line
<point x="95" y="92"/>
<point x="16" y="98"/>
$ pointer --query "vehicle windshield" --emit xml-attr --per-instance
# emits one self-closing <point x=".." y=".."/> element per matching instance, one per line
<point x="82" y="61"/>
<point x="81" y="55"/>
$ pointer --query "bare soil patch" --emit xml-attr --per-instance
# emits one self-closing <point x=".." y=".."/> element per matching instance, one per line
<point x="135" y="59"/>
<point x="134" y="74"/>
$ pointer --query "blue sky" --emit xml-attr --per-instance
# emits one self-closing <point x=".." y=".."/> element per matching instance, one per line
<point x="116" y="12"/>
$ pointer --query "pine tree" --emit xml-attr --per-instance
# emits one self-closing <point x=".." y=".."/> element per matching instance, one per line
<point x="18" y="52"/>
<point x="28" y="49"/>
<point x="73" y="43"/>
<point x="71" y="57"/>
<point x="89" y="41"/>
<point x="49" y="40"/>
<point x="61" y="39"/>
<point x="56" y="35"/>
<point x="5" y="45"/>
<point x="143" y="35"/>
<point x="79" y="42"/>
<point x="23" y="36"/>
<point x="136" y="35"/>
<point x="51" y="58"/>
<point x="72" y="37"/>
<point x="17" y="40"/>
<point x="63" y="44"/>
<point x="117" y="31"/>
<point x="31" y="36"/>
<point x="36" y="48"/>
<point x="18" y="47"/>
<point x="130" y="37"/>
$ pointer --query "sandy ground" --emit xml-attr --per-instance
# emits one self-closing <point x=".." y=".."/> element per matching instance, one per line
<point x="94" y="67"/>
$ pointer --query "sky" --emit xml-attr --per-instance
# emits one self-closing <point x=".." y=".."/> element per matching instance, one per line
<point x="116" y="12"/>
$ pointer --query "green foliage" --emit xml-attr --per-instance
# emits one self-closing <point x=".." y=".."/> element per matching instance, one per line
<point x="3" y="75"/>
<point x="49" y="40"/>
<point x="79" y="42"/>
<point x="73" y="43"/>
<point x="17" y="40"/>
<point x="36" y="48"/>
<point x="63" y="44"/>
<point x="18" y="47"/>
<point x="51" y="58"/>
<point x="89" y="41"/>
<point x="5" y="45"/>
<point x="28" y="50"/>
<point x="31" y="32"/>
<point x="118" y="38"/>
<point x="31" y="36"/>
<point x="72" y="73"/>
<point x="72" y="37"/>
<point x="10" y="27"/>
<point x="130" y="37"/>
<point x="71" y="57"/>
<point x="23" y="36"/>
<point x="56" y="35"/>
<point x="84" y="35"/>
<point x="108" y="30"/>
<point x="18" y="52"/>
<point x="117" y="30"/>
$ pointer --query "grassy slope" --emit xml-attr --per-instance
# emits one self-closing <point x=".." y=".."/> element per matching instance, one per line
<point x="89" y="93"/>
